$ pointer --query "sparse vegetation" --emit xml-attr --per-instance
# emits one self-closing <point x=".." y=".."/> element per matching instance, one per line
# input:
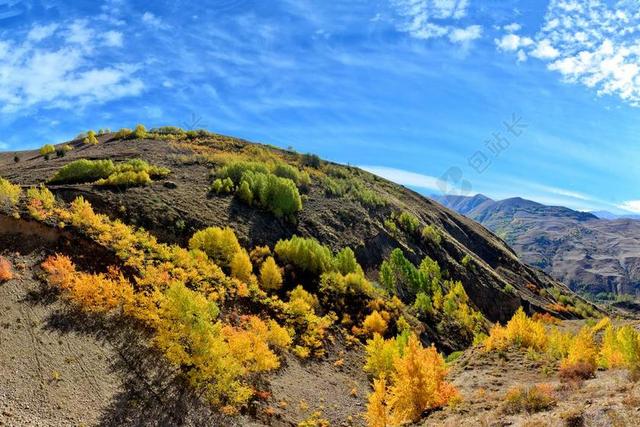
<point x="41" y="202"/>
<point x="537" y="398"/>
<point x="431" y="234"/>
<point x="47" y="150"/>
<point x="62" y="150"/>
<point x="90" y="139"/>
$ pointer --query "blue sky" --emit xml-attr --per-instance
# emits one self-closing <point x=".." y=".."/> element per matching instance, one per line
<point x="508" y="98"/>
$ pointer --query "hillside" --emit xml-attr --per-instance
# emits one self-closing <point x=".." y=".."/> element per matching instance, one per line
<point x="182" y="204"/>
<point x="589" y="254"/>
<point x="130" y="302"/>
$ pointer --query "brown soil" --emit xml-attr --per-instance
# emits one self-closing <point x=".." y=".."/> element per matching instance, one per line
<point x="612" y="398"/>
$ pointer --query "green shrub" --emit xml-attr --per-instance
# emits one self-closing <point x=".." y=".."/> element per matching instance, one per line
<point x="408" y="222"/>
<point x="105" y="172"/>
<point x="335" y="283"/>
<point x="345" y="262"/>
<point x="334" y="187"/>
<point x="244" y="193"/>
<point x="431" y="233"/>
<point x="279" y="195"/>
<point x="256" y="184"/>
<point x="399" y="275"/>
<point x="82" y="171"/>
<point x="140" y="132"/>
<point x="509" y="289"/>
<point x="47" y="149"/>
<point x="236" y="170"/>
<point x="90" y="138"/>
<point x="391" y="227"/>
<point x="63" y="150"/>
<point x="9" y="194"/>
<point x="466" y="260"/>
<point x="311" y="160"/>
<point x="306" y="254"/>
<point x="123" y="133"/>
<point x="125" y="179"/>
<point x="168" y="130"/>
<point x="284" y="170"/>
<point x="423" y="303"/>
<point x="223" y="186"/>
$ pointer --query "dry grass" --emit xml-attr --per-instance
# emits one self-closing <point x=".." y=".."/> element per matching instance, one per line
<point x="537" y="398"/>
<point x="576" y="372"/>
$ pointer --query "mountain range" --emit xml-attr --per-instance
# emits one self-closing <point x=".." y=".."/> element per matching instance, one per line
<point x="585" y="250"/>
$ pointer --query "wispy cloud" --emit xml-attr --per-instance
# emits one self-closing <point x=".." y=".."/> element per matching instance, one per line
<point x="630" y="206"/>
<point x="53" y="66"/>
<point x="531" y="190"/>
<point x="404" y="177"/>
<point x="593" y="43"/>
<point x="152" y="20"/>
<point x="428" y="19"/>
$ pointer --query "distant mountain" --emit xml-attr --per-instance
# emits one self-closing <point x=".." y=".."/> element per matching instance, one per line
<point x="584" y="250"/>
<point x="609" y="215"/>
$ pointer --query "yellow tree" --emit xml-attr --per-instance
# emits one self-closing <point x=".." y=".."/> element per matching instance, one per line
<point x="418" y="383"/>
<point x="270" y="275"/>
<point x="241" y="267"/>
<point x="377" y="412"/>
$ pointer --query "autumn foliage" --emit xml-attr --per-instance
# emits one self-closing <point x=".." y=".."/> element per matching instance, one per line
<point x="521" y="331"/>
<point x="416" y="383"/>
<point x="6" y="272"/>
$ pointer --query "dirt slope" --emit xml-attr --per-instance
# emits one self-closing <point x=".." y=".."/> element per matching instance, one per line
<point x="610" y="399"/>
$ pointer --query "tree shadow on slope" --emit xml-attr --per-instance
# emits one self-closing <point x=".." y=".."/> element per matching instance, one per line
<point x="152" y="392"/>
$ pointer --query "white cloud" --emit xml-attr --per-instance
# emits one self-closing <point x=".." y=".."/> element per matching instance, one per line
<point x="464" y="35"/>
<point x="63" y="74"/>
<point x="512" y="28"/>
<point x="112" y="38"/>
<point x="430" y="19"/>
<point x="544" y="50"/>
<point x="562" y="192"/>
<point x="512" y="42"/>
<point x="79" y="33"/>
<point x="630" y="206"/>
<point x="152" y="20"/>
<point x="39" y="33"/>
<point x="594" y="43"/>
<point x="522" y="56"/>
<point x="3" y="146"/>
<point x="403" y="177"/>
